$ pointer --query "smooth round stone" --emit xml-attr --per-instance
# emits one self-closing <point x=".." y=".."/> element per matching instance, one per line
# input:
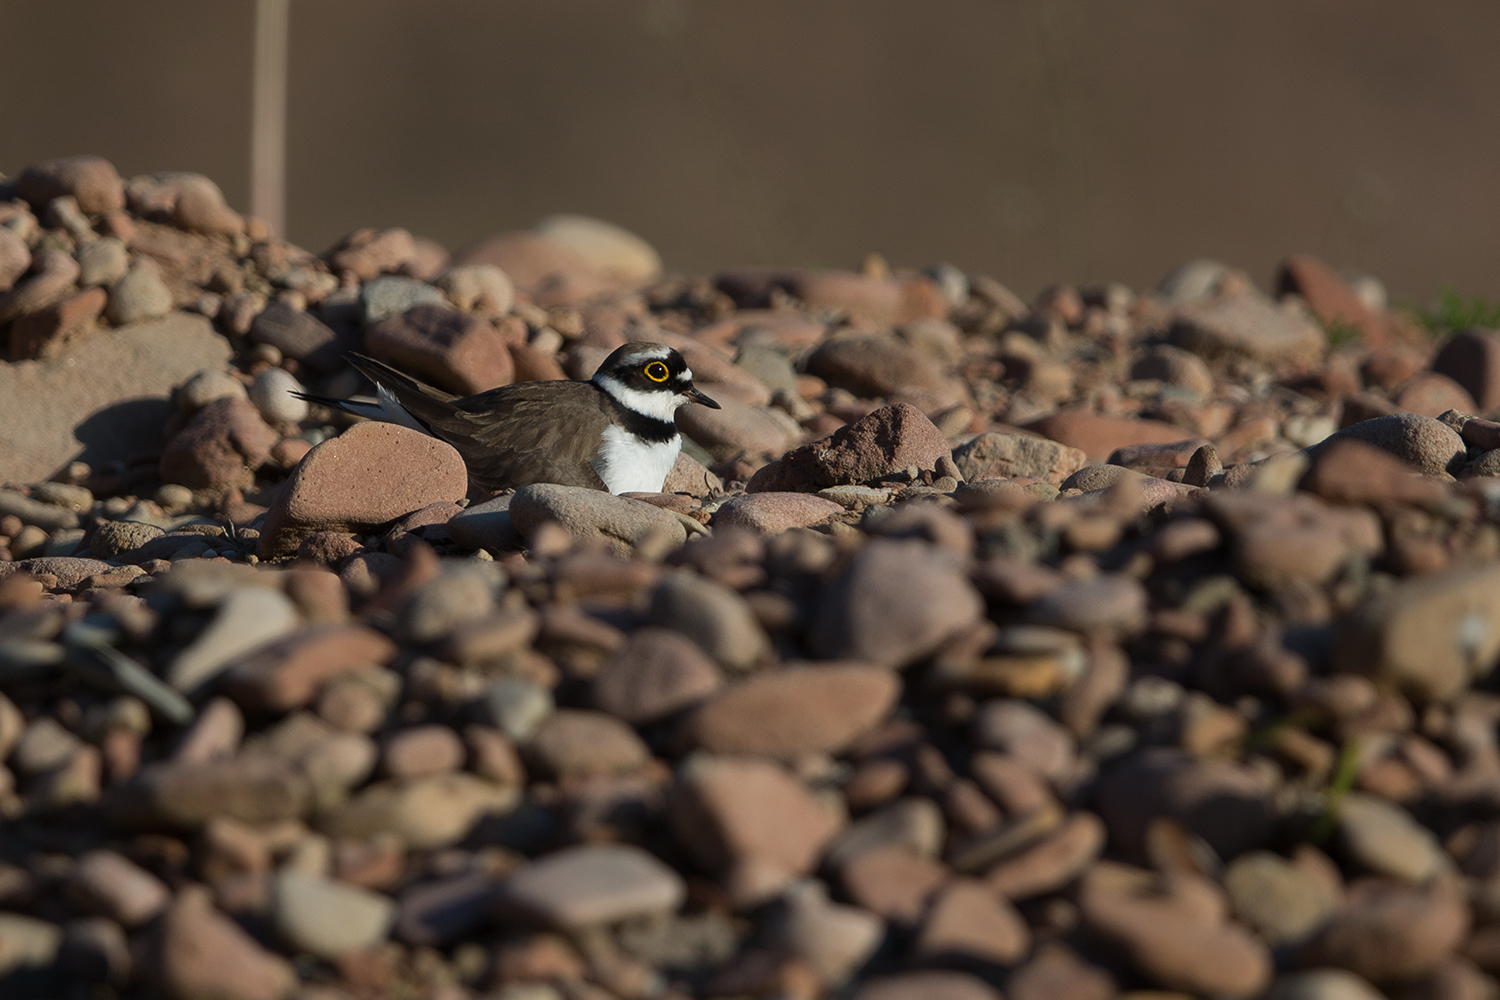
<point x="516" y="706"/>
<point x="591" y="885"/>
<point x="272" y="394"/>
<point x="328" y="918"/>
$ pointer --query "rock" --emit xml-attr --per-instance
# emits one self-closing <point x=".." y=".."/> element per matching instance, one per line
<point x="590" y="885"/>
<point x="456" y="596"/>
<point x="366" y="477"/>
<point x="573" y="744"/>
<point x="1009" y="456"/>
<point x="1176" y="935"/>
<point x="201" y="208"/>
<point x="426" y="813"/>
<point x="1171" y="455"/>
<point x="773" y="513"/>
<point x="368" y="253"/>
<point x="1056" y="972"/>
<point x="1323" y="984"/>
<point x="588" y="515"/>
<point x="735" y="428"/>
<point x="893" y="882"/>
<point x="95" y="950"/>
<point x="967" y="921"/>
<point x="516" y="706"/>
<point x="440" y="913"/>
<point x="91" y="180"/>
<point x="56" y="328"/>
<point x="26" y="944"/>
<point x="789" y="713"/>
<point x="53" y="275"/>
<point x="750" y="822"/>
<point x="834" y="939"/>
<point x="200" y="954"/>
<point x="207" y="386"/>
<point x="486" y="525"/>
<point x="1275" y="898"/>
<point x="1430" y="636"/>
<point x="1389" y="932"/>
<point x="874" y="366"/>
<point x="419" y="751"/>
<point x="551" y="273"/>
<point x="1174" y="366"/>
<point x="1227" y="805"/>
<point x="1352" y="472"/>
<point x="15" y="259"/>
<point x="288" y="672"/>
<point x="221" y="446"/>
<point x="1331" y="300"/>
<point x="272" y="394"/>
<point x="102" y="262"/>
<point x="714" y="617"/>
<point x="1429" y="445"/>
<point x="70" y="571"/>
<point x="44" y="746"/>
<point x="491" y="637"/>
<point x="1028" y="734"/>
<point x="1472" y="359"/>
<point x="460" y="352"/>
<point x="607" y="248"/>
<point x="1097" y="435"/>
<point x="889" y="441"/>
<point x="299" y="335"/>
<point x="1248" y="325"/>
<point x="1108" y="606"/>
<point x="139" y="296"/>
<point x="1432" y="395"/>
<point x="186" y="795"/>
<point x="880" y="302"/>
<point x="478" y="288"/>
<point x="111" y="885"/>
<point x="1383" y="838"/>
<point x="912" y="824"/>
<point x="247" y="619"/>
<point x="1052" y="863"/>
<point x="929" y="985"/>
<point x="657" y="672"/>
<point x="896" y="602"/>
<point x="327" y="918"/>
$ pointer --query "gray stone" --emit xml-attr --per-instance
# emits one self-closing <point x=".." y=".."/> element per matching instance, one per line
<point x="102" y="262"/>
<point x="1192" y="281"/>
<point x="327" y="918"/>
<point x="425" y="813"/>
<point x="459" y="594"/>
<point x="1008" y="456"/>
<point x="591" y="515"/>
<point x="391" y="295"/>
<point x="590" y="885"/>
<point x="486" y="526"/>
<point x="516" y="706"/>
<point x="1249" y="325"/>
<point x="1323" y="984"/>
<point x="102" y="401"/>
<point x="272" y="394"/>
<point x="1383" y="837"/>
<point x="140" y="295"/>
<point x="248" y="618"/>
<point x="1276" y="898"/>
<point x="914" y="824"/>
<point x="716" y="618"/>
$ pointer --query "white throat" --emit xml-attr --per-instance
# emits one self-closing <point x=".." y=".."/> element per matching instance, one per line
<point x="657" y="405"/>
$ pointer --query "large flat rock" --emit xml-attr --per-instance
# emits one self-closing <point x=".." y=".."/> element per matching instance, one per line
<point x="104" y="400"/>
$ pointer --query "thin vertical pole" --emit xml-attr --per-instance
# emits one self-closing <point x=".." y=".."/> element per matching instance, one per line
<point x="268" y="115"/>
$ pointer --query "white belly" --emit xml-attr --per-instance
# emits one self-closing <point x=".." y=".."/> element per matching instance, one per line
<point x="628" y="465"/>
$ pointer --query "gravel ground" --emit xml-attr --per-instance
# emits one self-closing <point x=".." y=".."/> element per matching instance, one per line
<point x="1117" y="642"/>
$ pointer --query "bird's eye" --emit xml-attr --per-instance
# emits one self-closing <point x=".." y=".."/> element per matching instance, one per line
<point x="657" y="372"/>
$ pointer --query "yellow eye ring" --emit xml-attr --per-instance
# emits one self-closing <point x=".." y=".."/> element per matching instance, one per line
<point x="657" y="372"/>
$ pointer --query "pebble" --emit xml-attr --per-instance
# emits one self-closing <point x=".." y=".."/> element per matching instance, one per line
<point x="103" y="262"/>
<point x="714" y="617"/>
<point x="203" y="953"/>
<point x="15" y="259"/>
<point x="750" y="822"/>
<point x="298" y="335"/>
<point x="516" y="706"/>
<point x="52" y="279"/>
<point x="425" y="813"/>
<point x="1106" y="606"/>
<point x="287" y="673"/>
<point x="480" y="288"/>
<point x="928" y="985"/>
<point x="248" y="618"/>
<point x="787" y="714"/>
<point x="620" y="523"/>
<point x="1248" y="325"/>
<point x="656" y="673"/>
<point x="897" y="601"/>
<point x="272" y="393"/>
<point x="832" y="938"/>
<point x="1027" y="734"/>
<point x="887" y="442"/>
<point x="1098" y="435"/>
<point x="549" y="272"/>
<point x="1051" y="864"/>
<point x="327" y="918"/>
<point x="1323" y="984"/>
<point x="967" y="921"/>
<point x="368" y="253"/>
<point x="1430" y="445"/>
<point x="1008" y="456"/>
<point x="1174" y="366"/>
<point x="572" y="743"/>
<point x="26" y="943"/>
<point x="606" y="247"/>
<point x="591" y="885"/>
<point x="1472" y="359"/>
<point x="368" y="476"/>
<point x="1275" y="898"/>
<point x="140" y="295"/>
<point x="735" y="428"/>
<point x="460" y="352"/>
<point x="1226" y="804"/>
<point x="92" y="181"/>
<point x="110" y="885"/>
<point x="486" y="525"/>
<point x="1384" y="839"/>
<point x="221" y="446"/>
<point x="201" y="208"/>
<point x="456" y="597"/>
<point x="420" y="751"/>
<point x="893" y="882"/>
<point x="1389" y="932"/>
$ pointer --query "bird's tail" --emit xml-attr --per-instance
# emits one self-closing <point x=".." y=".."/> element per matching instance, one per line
<point x="399" y="398"/>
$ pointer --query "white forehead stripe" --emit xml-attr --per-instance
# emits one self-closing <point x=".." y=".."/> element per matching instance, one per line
<point x="656" y="352"/>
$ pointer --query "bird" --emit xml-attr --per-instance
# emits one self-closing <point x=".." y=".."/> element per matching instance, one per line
<point x="615" y="432"/>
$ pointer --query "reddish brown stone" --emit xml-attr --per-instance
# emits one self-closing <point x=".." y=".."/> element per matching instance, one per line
<point x="1331" y="300"/>
<point x="460" y="352"/>
<point x="222" y="445"/>
<point x="1098" y="435"/>
<point x="53" y="330"/>
<point x="288" y="673"/>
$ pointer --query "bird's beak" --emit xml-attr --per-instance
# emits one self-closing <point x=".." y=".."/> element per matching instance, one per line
<point x="695" y="396"/>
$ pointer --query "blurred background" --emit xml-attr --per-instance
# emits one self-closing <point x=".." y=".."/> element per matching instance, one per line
<point x="1038" y="141"/>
